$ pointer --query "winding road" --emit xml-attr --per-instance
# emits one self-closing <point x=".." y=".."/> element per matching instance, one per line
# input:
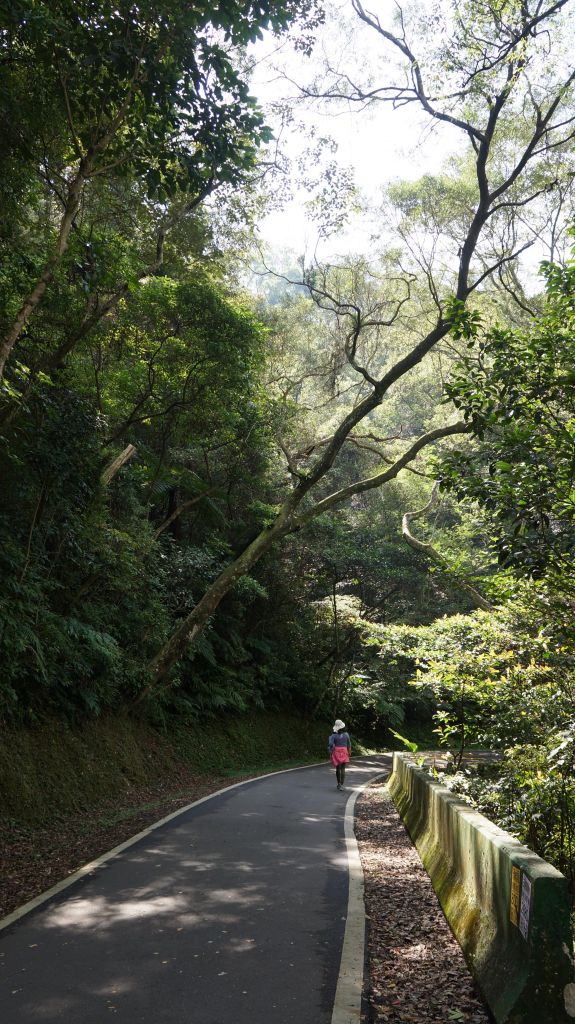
<point x="232" y="911"/>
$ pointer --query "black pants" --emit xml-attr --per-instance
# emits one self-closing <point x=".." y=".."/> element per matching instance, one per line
<point x="340" y="773"/>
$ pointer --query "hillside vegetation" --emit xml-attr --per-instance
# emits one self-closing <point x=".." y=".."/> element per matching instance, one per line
<point x="208" y="446"/>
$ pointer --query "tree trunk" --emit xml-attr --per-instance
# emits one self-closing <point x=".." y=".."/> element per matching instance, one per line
<point x="194" y="623"/>
<point x="115" y="466"/>
<point x="286" y="522"/>
<point x="32" y="301"/>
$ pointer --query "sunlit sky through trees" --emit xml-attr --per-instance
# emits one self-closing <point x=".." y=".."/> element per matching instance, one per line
<point x="379" y="144"/>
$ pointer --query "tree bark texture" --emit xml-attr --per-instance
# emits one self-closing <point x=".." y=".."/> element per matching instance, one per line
<point x="33" y="299"/>
<point x="110" y="471"/>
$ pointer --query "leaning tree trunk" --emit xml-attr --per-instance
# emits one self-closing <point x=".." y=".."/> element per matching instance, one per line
<point x="34" y="298"/>
<point x="115" y="466"/>
<point x="287" y="521"/>
<point x="194" y="623"/>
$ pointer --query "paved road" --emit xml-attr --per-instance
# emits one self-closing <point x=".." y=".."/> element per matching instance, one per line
<point x="232" y="913"/>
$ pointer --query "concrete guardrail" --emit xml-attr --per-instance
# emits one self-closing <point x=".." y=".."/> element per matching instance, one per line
<point x="508" y="909"/>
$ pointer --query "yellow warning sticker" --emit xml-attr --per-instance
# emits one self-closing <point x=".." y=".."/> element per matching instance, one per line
<point x="515" y="889"/>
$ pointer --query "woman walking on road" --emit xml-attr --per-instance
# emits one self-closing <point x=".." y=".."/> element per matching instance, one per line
<point x="339" y="746"/>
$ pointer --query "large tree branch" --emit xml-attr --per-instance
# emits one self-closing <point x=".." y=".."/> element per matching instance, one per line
<point x="383" y="477"/>
<point x="305" y="453"/>
<point x="363" y="408"/>
<point x="35" y="296"/>
<point x="103" y="309"/>
<point x="286" y="522"/>
<point x="491" y="270"/>
<point x="107" y="306"/>
<point x="429" y="551"/>
<point x="86" y="167"/>
<point x="542" y="130"/>
<point x="99" y="311"/>
<point x="373" y="22"/>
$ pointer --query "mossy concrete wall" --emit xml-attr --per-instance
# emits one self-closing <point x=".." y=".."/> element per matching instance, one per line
<point x="508" y="908"/>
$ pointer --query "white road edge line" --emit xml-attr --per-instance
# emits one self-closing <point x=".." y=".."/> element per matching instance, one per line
<point x="26" y="908"/>
<point x="347" y="1004"/>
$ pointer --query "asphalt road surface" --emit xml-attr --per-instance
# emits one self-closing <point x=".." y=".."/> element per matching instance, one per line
<point x="232" y="913"/>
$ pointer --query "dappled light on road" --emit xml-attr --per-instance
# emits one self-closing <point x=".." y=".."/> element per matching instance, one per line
<point x="222" y="909"/>
<point x="98" y="912"/>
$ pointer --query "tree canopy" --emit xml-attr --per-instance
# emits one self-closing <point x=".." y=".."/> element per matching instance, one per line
<point x="208" y="446"/>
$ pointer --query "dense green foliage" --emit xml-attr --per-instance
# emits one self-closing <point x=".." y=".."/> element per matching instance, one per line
<point x="506" y="682"/>
<point x="247" y="553"/>
<point x="88" y="591"/>
<point x="129" y="336"/>
<point x="502" y="682"/>
<point x="138" y="339"/>
<point x="516" y="392"/>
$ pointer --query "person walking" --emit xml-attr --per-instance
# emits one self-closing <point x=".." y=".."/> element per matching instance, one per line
<point x="339" y="747"/>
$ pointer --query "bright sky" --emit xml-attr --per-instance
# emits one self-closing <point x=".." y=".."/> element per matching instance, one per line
<point x="380" y="144"/>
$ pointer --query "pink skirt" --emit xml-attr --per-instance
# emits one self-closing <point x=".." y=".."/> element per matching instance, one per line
<point x="339" y="755"/>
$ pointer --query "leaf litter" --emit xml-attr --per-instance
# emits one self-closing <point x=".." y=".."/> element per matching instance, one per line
<point x="417" y="973"/>
<point x="34" y="857"/>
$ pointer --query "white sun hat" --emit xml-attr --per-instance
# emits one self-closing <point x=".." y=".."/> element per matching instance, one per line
<point x="338" y="725"/>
